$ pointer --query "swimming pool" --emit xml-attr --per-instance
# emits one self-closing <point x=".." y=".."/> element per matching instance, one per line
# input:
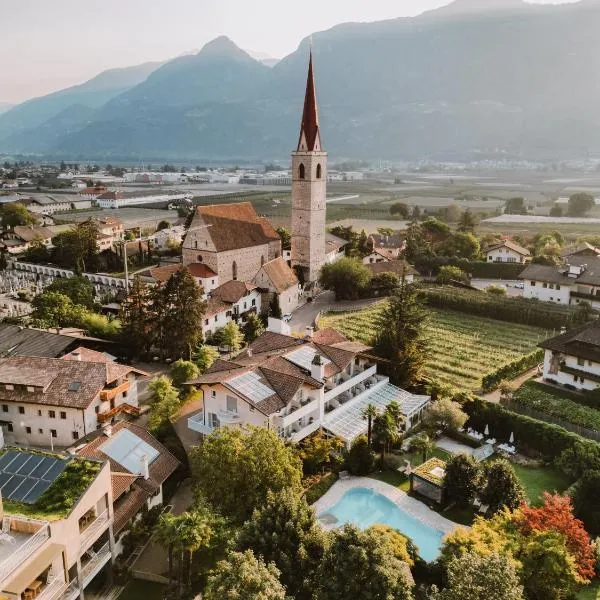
<point x="363" y="507"/>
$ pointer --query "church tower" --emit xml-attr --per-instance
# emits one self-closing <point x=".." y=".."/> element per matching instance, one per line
<point x="309" y="184"/>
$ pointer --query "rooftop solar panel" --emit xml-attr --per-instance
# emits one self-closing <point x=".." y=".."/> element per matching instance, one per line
<point x="19" y="460"/>
<point x="36" y="491"/>
<point x="11" y="485"/>
<point x="43" y="467"/>
<point x="250" y="385"/>
<point x="55" y="470"/>
<point x="29" y="465"/>
<point x="127" y="449"/>
<point x="6" y="458"/>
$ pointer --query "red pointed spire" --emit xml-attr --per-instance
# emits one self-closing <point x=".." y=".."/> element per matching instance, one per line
<point x="310" y="116"/>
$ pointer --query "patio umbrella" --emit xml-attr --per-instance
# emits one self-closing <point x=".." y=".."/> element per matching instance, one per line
<point x="487" y="430"/>
<point x="511" y="439"/>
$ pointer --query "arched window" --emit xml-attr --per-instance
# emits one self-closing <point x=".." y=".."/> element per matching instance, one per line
<point x="319" y="171"/>
<point x="199" y="257"/>
<point x="196" y="244"/>
<point x="234" y="270"/>
<point x="301" y="171"/>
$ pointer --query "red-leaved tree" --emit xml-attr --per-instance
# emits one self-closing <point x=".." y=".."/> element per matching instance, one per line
<point x="556" y="514"/>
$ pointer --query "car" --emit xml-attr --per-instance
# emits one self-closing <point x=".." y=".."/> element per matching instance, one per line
<point x="287" y="317"/>
<point x="520" y="285"/>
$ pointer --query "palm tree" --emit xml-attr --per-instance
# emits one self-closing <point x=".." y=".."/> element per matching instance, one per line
<point x="424" y="444"/>
<point x="369" y="412"/>
<point x="394" y="410"/>
<point x="194" y="532"/>
<point x="385" y="432"/>
<point x="166" y="535"/>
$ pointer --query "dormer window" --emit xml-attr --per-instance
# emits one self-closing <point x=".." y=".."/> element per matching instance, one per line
<point x="30" y="389"/>
<point x="9" y="387"/>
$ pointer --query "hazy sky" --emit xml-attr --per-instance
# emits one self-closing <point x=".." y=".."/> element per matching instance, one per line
<point x="50" y="44"/>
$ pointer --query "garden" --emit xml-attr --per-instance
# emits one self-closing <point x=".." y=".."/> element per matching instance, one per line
<point x="465" y="348"/>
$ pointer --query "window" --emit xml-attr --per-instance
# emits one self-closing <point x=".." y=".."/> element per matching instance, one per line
<point x="199" y="257"/>
<point x="301" y="171"/>
<point x="125" y="394"/>
<point x="254" y="302"/>
<point x="206" y="321"/>
<point x="9" y="387"/>
<point x="319" y="171"/>
<point x="63" y="414"/>
<point x="544" y="285"/>
<point x="234" y="270"/>
<point x="9" y="427"/>
<point x="213" y="393"/>
<point x="5" y="408"/>
<point x="216" y="318"/>
<point x="21" y="410"/>
<point x="30" y="389"/>
<point x="40" y="431"/>
<point x="196" y="244"/>
<point x="97" y="409"/>
<point x="213" y="420"/>
<point x="558" y="286"/>
<point x="39" y="413"/>
<point x="52" y="414"/>
<point x="532" y="283"/>
<point x="75" y="435"/>
<point x="27" y="429"/>
<point x="244" y="305"/>
<point x="53" y="433"/>
<point x="581" y="362"/>
<point x="232" y="404"/>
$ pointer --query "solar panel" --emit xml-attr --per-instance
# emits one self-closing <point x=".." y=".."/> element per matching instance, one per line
<point x="128" y="449"/>
<point x="250" y="385"/>
<point x="25" y="476"/>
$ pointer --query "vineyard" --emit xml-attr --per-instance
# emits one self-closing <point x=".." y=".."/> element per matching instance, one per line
<point x="464" y="348"/>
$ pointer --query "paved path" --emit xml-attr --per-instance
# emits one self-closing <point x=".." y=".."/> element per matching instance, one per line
<point x="305" y="316"/>
<point x="454" y="447"/>
<point x="516" y="383"/>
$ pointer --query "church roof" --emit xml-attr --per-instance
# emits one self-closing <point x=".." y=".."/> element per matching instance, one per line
<point x="309" y="129"/>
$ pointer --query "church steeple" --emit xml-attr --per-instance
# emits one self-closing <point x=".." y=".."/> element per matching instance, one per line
<point x="310" y="137"/>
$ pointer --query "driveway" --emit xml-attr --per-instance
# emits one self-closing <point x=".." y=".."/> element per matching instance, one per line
<point x="508" y="284"/>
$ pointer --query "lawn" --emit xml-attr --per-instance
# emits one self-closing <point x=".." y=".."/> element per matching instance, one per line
<point x="591" y="592"/>
<point x="537" y="480"/>
<point x="464" y="348"/>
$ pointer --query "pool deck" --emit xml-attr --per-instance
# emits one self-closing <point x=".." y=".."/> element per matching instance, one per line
<point x="413" y="507"/>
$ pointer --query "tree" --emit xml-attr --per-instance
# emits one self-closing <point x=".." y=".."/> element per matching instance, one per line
<point x="399" y="545"/>
<point x="435" y="231"/>
<point x="358" y="561"/>
<point x="423" y="444"/>
<point x="346" y="277"/>
<point x="385" y="432"/>
<point x="242" y="576"/>
<point x="446" y="415"/>
<point x="204" y="356"/>
<point x="3" y="261"/>
<point x="556" y="211"/>
<point x="79" y="289"/>
<point x="583" y="313"/>
<point x="286" y="238"/>
<point x="360" y="460"/>
<point x="253" y="328"/>
<point x="230" y="337"/>
<point x="476" y="577"/>
<point x="502" y="487"/>
<point x="451" y="213"/>
<point x="77" y="248"/>
<point x="15" y="213"/>
<point x="580" y="204"/>
<point x="182" y="371"/>
<point x="318" y="452"/>
<point x="369" y="412"/>
<point x="463" y="245"/>
<point x="401" y="336"/>
<point x="285" y="532"/>
<point x="55" y="310"/>
<point x="400" y="209"/>
<point x="37" y="252"/>
<point x="166" y="535"/>
<point x="163" y="225"/>
<point x="515" y="206"/>
<point x="461" y="481"/>
<point x="137" y="318"/>
<point x="496" y="290"/>
<point x="194" y="532"/>
<point x="384" y="284"/>
<point x="586" y="501"/>
<point x="232" y="464"/>
<point x="450" y="273"/>
<point x="164" y="401"/>
<point x="467" y="222"/>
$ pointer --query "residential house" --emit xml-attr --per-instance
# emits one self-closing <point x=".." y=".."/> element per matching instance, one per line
<point x="57" y="554"/>
<point x="204" y="276"/>
<point x="379" y="255"/>
<point x="54" y="402"/>
<point x="507" y="251"/>
<point x="21" y="237"/>
<point x="276" y="278"/>
<point x="398" y="267"/>
<point x="139" y="466"/>
<point x="335" y="248"/>
<point x="168" y="238"/>
<point x="92" y="192"/>
<point x="581" y="250"/>
<point x="111" y="227"/>
<point x="298" y="386"/>
<point x="573" y="358"/>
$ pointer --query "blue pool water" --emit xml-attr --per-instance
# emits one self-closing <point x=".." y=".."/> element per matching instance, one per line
<point x="363" y="508"/>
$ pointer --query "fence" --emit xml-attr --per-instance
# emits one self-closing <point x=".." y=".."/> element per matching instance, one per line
<point x="590" y="434"/>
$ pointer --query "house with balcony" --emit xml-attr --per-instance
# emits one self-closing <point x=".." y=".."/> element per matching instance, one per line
<point x="56" y="555"/>
<point x="298" y="386"/>
<point x="52" y="402"/>
<point x="139" y="466"/>
<point x="573" y="358"/>
<point x="507" y="251"/>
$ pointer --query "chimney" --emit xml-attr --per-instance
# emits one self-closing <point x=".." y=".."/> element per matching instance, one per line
<point x="249" y="352"/>
<point x="108" y="430"/>
<point x="145" y="468"/>
<point x="76" y="355"/>
<point x="317" y="368"/>
<point x="563" y="330"/>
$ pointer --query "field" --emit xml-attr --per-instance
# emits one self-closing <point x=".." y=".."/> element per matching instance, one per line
<point x="464" y="347"/>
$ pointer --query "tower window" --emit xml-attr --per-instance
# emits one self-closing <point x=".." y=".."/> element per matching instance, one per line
<point x="196" y="244"/>
<point x="301" y="171"/>
<point x="199" y="258"/>
<point x="234" y="270"/>
<point x="319" y="171"/>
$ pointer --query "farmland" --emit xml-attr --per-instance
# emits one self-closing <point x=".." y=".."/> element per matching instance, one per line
<point x="464" y="347"/>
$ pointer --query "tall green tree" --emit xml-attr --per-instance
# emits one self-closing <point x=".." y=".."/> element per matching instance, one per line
<point x="253" y="328"/>
<point x="204" y="356"/>
<point x="445" y="414"/>
<point x="385" y="432"/>
<point x="502" y="486"/>
<point x="586" y="501"/>
<point x="346" y="278"/>
<point x="165" y="533"/>
<point x="79" y="289"/>
<point x="286" y="238"/>
<point x="467" y="222"/>
<point x="137" y="318"/>
<point x="242" y="576"/>
<point x="358" y="562"/>
<point x="15" y="213"/>
<point x="462" y="479"/>
<point x="235" y="464"/>
<point x="285" y="532"/>
<point x="401" y="335"/>
<point x="77" y="248"/>
<point x="423" y="444"/>
<point x="360" y="460"/>
<point x="164" y="401"/>
<point x="55" y="310"/>
<point x="182" y="371"/>
<point x="580" y="204"/>
<point x="230" y="337"/>
<point x="368" y="413"/>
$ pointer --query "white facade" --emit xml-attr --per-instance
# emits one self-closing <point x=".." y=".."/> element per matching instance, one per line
<point x="139" y="200"/>
<point x="167" y="237"/>
<point x="547" y="292"/>
<point x="504" y="255"/>
<point x="556" y="369"/>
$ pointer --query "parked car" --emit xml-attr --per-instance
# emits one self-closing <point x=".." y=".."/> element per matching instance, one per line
<point x="520" y="285"/>
<point x="287" y="317"/>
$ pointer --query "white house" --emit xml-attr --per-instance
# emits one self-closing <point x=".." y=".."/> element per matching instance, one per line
<point x="398" y="267"/>
<point x="335" y="248"/>
<point x="507" y="251"/>
<point x="379" y="255"/>
<point x="166" y="238"/>
<point x="276" y="278"/>
<point x="297" y="386"/>
<point x="573" y="358"/>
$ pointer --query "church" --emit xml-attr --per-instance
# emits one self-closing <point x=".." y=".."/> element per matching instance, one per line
<point x="235" y="243"/>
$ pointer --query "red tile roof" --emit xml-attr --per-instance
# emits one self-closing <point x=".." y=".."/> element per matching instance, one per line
<point x="280" y="275"/>
<point x="232" y="291"/>
<point x="328" y="337"/>
<point x="200" y="270"/>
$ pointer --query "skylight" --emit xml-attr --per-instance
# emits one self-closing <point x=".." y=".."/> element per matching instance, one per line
<point x="304" y="356"/>
<point x="249" y="385"/>
<point x="75" y="386"/>
<point x="128" y="449"/>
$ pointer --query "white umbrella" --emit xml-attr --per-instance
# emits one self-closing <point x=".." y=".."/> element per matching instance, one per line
<point x="487" y="430"/>
<point x="511" y="439"/>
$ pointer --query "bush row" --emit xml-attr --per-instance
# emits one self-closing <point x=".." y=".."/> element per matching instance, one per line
<point x="511" y="370"/>
<point x="479" y="269"/>
<point x="514" y="310"/>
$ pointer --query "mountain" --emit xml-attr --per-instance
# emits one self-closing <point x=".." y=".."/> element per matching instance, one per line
<point x="91" y="94"/>
<point x="4" y="106"/>
<point x="264" y="58"/>
<point x="499" y="78"/>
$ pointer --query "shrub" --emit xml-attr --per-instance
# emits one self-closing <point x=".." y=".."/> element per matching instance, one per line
<point x="360" y="459"/>
<point x="448" y="274"/>
<point x="496" y="290"/>
<point x="513" y="369"/>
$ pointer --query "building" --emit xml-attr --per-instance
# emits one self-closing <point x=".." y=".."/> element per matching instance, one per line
<point x="54" y="402"/>
<point x="309" y="190"/>
<point x="335" y="248"/>
<point x="581" y="250"/>
<point x="573" y="358"/>
<point x="46" y="204"/>
<point x="204" y="276"/>
<point x="230" y="239"/>
<point x="21" y="237"/>
<point x="243" y="298"/>
<point x="275" y="278"/>
<point x="168" y="238"/>
<point x="118" y="199"/>
<point x="139" y="466"/>
<point x="57" y="554"/>
<point x="507" y="251"/>
<point x="298" y="386"/>
<point x="379" y="255"/>
<point x="398" y="267"/>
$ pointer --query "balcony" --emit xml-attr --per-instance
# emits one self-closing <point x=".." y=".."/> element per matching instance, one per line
<point x="109" y="394"/>
<point x="97" y="560"/>
<point x="350" y="383"/>
<point x="305" y="431"/>
<point x="296" y="415"/>
<point x="54" y="588"/>
<point x="134" y="411"/>
<point x="71" y="592"/>
<point x="92" y="530"/>
<point x="586" y="296"/>
<point x="196" y="423"/>
<point x="228" y="417"/>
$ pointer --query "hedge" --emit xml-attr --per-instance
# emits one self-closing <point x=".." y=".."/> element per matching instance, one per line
<point x="514" y="310"/>
<point x="478" y="269"/>
<point x="511" y="370"/>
